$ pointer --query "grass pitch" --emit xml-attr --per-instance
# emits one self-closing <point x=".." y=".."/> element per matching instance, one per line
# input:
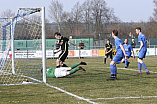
<point x="92" y="85"/>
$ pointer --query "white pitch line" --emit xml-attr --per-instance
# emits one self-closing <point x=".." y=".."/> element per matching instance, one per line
<point x="89" y="100"/>
<point x="59" y="89"/>
<point x="124" y="69"/>
<point x="132" y="69"/>
<point x="81" y="98"/>
<point x="125" y="98"/>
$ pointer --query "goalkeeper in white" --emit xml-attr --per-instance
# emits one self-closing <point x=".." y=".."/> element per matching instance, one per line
<point x="64" y="71"/>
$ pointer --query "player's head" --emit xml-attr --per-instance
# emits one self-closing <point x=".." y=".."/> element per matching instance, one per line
<point x="126" y="41"/>
<point x="114" y="33"/>
<point x="138" y="30"/>
<point x="57" y="35"/>
<point x="108" y="41"/>
<point x="80" y="41"/>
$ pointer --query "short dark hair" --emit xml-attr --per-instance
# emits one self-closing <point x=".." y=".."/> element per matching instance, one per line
<point x="115" y="32"/>
<point x="57" y="33"/>
<point x="138" y="28"/>
<point x="108" y="39"/>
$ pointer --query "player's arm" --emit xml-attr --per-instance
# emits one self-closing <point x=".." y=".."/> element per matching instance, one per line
<point x="140" y="47"/>
<point x="109" y="50"/>
<point x="133" y="53"/>
<point x="121" y="46"/>
<point x="73" y="44"/>
<point x="147" y="42"/>
<point x="57" y="50"/>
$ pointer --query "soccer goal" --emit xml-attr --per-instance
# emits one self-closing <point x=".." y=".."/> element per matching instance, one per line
<point x="23" y="47"/>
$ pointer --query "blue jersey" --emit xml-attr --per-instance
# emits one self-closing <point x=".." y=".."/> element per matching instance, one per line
<point x="142" y="38"/>
<point x="117" y="44"/>
<point x="128" y="49"/>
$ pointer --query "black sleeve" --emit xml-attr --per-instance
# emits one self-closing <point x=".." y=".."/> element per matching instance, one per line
<point x="110" y="45"/>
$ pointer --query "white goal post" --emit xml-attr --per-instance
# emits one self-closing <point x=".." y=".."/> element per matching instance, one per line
<point x="23" y="47"/>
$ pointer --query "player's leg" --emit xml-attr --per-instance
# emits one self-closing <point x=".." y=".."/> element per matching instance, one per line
<point x="123" y="60"/>
<point x="141" y="63"/>
<point x="61" y="59"/>
<point x="126" y="62"/>
<point x="72" y="71"/>
<point x="58" y="61"/>
<point x="77" y="64"/>
<point x="113" y="68"/>
<point x="62" y="64"/>
<point x="106" y="56"/>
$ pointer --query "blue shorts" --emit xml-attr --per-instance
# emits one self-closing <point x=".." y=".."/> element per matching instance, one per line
<point x="117" y="59"/>
<point x="142" y="54"/>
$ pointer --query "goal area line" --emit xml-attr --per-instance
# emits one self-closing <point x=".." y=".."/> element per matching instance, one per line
<point x="90" y="100"/>
<point x="130" y="97"/>
<point x="126" y="69"/>
<point x="23" y="83"/>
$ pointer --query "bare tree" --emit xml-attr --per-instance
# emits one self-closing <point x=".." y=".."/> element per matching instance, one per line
<point x="76" y="16"/>
<point x="152" y="24"/>
<point x="7" y="13"/>
<point x="56" y="12"/>
<point x="101" y="15"/>
<point x="86" y="11"/>
<point x="155" y="10"/>
<point x="93" y="16"/>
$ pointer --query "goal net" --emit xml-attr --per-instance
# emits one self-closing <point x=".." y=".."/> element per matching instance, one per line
<point x="21" y="55"/>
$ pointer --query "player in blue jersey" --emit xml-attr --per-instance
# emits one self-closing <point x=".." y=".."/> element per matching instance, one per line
<point x="119" y="56"/>
<point x="128" y="49"/>
<point x="142" y="51"/>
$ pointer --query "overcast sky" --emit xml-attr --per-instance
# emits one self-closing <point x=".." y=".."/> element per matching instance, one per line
<point x="126" y="10"/>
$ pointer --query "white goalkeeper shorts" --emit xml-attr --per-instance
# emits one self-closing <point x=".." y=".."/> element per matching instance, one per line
<point x="61" y="72"/>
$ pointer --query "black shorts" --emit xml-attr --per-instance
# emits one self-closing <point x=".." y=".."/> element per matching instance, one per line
<point x="63" y="56"/>
<point x="110" y="53"/>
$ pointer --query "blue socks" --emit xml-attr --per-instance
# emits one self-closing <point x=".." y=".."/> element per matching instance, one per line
<point x="113" y="70"/>
<point x="139" y="67"/>
<point x="126" y="63"/>
<point x="144" y="66"/>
